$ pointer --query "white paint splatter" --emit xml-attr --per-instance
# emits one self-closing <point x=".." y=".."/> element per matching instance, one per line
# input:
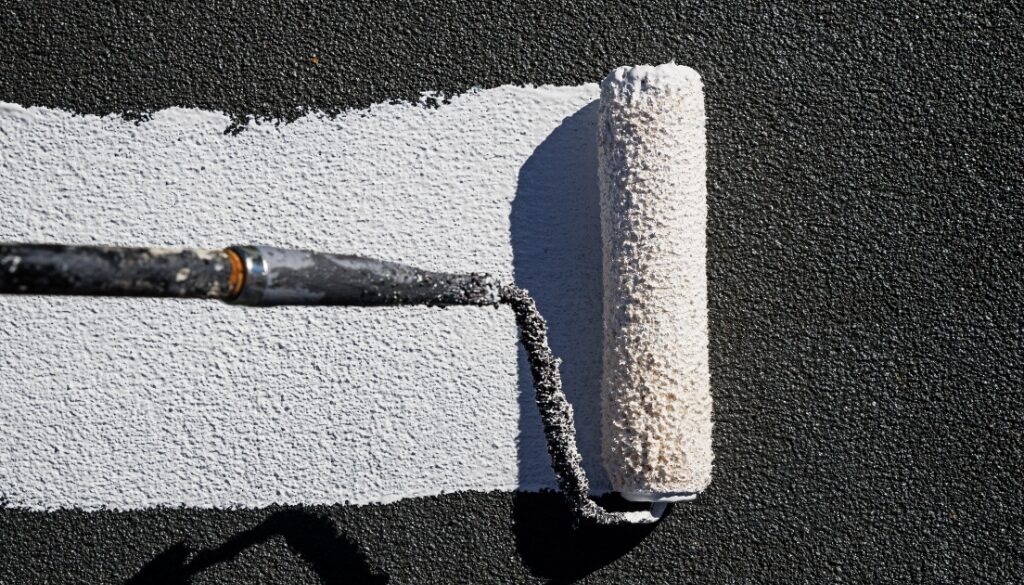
<point x="131" y="403"/>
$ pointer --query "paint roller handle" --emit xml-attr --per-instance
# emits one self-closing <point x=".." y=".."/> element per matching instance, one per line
<point x="247" y="275"/>
<point x="52" y="269"/>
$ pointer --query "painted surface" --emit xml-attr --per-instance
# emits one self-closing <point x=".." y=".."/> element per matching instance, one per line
<point x="133" y="403"/>
<point x="865" y="283"/>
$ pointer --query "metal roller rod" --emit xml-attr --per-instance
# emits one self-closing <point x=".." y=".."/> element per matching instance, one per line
<point x="276" y="276"/>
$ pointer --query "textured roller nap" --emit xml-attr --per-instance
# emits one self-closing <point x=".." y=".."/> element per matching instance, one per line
<point x="656" y="386"/>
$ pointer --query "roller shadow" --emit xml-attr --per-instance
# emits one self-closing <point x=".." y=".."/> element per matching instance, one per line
<point x="552" y="549"/>
<point x="556" y="246"/>
<point x="335" y="558"/>
<point x="556" y="243"/>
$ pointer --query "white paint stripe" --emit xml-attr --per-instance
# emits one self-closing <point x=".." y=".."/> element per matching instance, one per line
<point x="134" y="403"/>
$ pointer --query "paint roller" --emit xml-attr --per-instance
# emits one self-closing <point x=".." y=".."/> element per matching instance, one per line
<point x="656" y="435"/>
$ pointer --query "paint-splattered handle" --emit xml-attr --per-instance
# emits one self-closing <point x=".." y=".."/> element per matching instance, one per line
<point x="109" y="271"/>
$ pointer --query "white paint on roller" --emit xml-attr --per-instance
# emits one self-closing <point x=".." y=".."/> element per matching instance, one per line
<point x="134" y="403"/>
<point x="656" y="385"/>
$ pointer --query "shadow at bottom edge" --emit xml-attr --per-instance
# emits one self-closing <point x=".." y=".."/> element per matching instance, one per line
<point x="552" y="548"/>
<point x="334" y="557"/>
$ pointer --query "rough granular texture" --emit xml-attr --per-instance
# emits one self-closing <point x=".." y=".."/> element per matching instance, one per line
<point x="865" y="282"/>
<point x="656" y="385"/>
<point x="556" y="414"/>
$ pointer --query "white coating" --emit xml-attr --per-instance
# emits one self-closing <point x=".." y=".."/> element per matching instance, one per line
<point x="131" y="403"/>
<point x="656" y="383"/>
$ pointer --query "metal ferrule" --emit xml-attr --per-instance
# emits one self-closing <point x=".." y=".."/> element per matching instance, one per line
<point x="255" y="275"/>
<point x="282" y="276"/>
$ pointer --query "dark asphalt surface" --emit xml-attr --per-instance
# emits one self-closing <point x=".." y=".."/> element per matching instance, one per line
<point x="866" y="283"/>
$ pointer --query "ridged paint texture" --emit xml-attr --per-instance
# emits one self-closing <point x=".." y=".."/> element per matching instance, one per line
<point x="657" y="408"/>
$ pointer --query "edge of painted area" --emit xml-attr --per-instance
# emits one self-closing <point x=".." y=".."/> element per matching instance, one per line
<point x="427" y="103"/>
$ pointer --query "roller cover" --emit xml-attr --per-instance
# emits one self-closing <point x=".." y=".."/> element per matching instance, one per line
<point x="656" y="386"/>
